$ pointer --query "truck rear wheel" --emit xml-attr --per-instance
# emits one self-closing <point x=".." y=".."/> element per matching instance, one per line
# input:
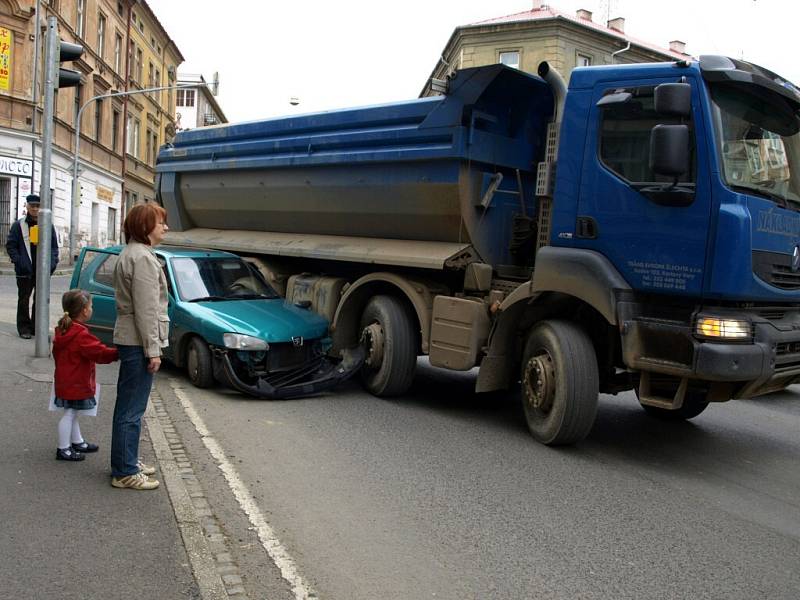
<point x="560" y="383"/>
<point x="390" y="344"/>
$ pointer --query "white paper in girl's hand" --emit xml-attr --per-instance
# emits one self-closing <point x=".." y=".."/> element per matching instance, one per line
<point x="92" y="412"/>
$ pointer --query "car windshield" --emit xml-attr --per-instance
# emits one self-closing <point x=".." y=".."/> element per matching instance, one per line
<point x="759" y="142"/>
<point x="220" y="278"/>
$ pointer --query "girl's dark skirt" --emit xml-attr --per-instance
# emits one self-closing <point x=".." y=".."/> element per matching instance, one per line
<point x="87" y="404"/>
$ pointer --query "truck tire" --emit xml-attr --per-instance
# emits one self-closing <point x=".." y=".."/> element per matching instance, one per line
<point x="198" y="363"/>
<point x="693" y="405"/>
<point x="560" y="383"/>
<point x="390" y="344"/>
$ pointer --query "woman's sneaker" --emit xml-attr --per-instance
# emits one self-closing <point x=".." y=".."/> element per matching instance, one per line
<point x="139" y="481"/>
<point x="146" y="469"/>
<point x="68" y="454"/>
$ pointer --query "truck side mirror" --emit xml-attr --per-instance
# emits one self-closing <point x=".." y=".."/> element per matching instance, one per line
<point x="669" y="150"/>
<point x="673" y="99"/>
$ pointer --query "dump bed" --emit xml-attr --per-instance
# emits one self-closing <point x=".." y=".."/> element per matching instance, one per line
<point x="410" y="171"/>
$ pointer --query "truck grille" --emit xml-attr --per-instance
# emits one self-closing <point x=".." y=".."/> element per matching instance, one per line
<point x="776" y="269"/>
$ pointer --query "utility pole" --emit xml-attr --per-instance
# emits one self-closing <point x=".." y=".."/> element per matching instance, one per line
<point x="55" y="52"/>
<point x="42" y="295"/>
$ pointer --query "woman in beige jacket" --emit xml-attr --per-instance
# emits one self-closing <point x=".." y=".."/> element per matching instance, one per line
<point x="141" y="331"/>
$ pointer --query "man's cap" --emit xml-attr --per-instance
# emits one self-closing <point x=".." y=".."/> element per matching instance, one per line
<point x="32" y="199"/>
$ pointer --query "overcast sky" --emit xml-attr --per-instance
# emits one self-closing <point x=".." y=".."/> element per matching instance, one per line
<point x="338" y="53"/>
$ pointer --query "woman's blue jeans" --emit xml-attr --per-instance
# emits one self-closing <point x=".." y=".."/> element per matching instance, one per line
<point x="133" y="390"/>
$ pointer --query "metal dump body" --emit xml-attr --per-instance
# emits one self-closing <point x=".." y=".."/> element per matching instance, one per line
<point x="414" y="170"/>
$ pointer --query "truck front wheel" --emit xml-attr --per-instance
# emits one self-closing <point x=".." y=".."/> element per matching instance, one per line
<point x="560" y="383"/>
<point x="388" y="338"/>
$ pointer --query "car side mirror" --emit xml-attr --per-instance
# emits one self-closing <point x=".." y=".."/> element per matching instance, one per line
<point x="673" y="99"/>
<point x="669" y="150"/>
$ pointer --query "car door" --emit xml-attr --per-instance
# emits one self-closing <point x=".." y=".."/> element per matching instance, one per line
<point x="94" y="272"/>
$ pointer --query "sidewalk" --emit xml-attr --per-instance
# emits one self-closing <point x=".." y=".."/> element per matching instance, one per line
<point x="66" y="532"/>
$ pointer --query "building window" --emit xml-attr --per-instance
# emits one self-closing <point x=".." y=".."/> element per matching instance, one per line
<point x="78" y="90"/>
<point x="101" y="35"/>
<point x="120" y="9"/>
<point x="139" y="65"/>
<point x="112" y="224"/>
<point x="154" y="141"/>
<point x="141" y="26"/>
<point x="118" y="53"/>
<point x="148" y="147"/>
<point x="625" y="137"/>
<point x="80" y="21"/>
<point x="151" y="74"/>
<point x="185" y="98"/>
<point x="52" y="4"/>
<point x="510" y="59"/>
<point x="98" y="120"/>
<point x="583" y="60"/>
<point x="157" y="82"/>
<point x="133" y="136"/>
<point x="115" y="130"/>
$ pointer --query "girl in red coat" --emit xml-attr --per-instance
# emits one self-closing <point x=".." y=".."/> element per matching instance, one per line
<point x="75" y="352"/>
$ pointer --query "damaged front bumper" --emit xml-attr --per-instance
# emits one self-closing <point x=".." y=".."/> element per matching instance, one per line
<point x="313" y="378"/>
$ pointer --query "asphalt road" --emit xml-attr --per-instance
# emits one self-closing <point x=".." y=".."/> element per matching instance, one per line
<point x="443" y="494"/>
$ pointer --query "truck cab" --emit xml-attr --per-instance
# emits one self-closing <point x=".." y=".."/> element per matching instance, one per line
<point x="678" y="189"/>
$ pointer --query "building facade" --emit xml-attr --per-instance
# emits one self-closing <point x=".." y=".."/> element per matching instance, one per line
<point x="524" y="40"/>
<point x="197" y="107"/>
<point x="111" y="168"/>
<point x="149" y="117"/>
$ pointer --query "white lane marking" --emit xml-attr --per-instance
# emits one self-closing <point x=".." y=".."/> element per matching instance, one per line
<point x="269" y="540"/>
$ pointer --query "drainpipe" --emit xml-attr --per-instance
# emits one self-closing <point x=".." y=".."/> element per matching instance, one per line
<point x="34" y="99"/>
<point x="614" y="54"/>
<point x="128" y="58"/>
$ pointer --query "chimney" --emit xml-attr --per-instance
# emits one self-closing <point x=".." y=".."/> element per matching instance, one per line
<point x="617" y="24"/>
<point x="584" y="14"/>
<point x="678" y="46"/>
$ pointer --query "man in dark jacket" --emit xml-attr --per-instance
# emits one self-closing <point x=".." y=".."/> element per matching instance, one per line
<point x="23" y="240"/>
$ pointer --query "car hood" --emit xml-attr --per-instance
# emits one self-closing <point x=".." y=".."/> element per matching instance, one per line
<point x="271" y="320"/>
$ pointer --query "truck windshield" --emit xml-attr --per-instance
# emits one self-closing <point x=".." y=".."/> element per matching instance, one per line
<point x="210" y="278"/>
<point x="759" y="142"/>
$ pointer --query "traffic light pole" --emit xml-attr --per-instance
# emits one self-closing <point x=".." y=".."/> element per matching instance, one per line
<point x="76" y="186"/>
<point x="42" y="295"/>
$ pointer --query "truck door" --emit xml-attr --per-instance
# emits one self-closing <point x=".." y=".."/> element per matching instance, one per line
<point x="652" y="228"/>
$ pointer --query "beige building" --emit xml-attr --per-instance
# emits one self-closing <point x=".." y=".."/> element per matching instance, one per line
<point x="525" y="39"/>
<point x="125" y="49"/>
<point x="149" y="118"/>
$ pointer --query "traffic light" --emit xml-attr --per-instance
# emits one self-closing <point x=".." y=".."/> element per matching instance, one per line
<point x="68" y="77"/>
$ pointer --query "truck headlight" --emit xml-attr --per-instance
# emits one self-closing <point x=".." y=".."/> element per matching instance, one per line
<point x="238" y="341"/>
<point x="723" y="329"/>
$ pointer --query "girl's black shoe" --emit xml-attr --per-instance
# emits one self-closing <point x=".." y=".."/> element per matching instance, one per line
<point x="68" y="454"/>
<point x="85" y="447"/>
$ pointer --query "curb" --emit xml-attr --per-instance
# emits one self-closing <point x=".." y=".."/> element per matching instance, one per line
<point x="217" y="576"/>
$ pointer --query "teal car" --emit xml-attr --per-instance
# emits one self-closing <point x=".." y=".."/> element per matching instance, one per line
<point x="226" y="324"/>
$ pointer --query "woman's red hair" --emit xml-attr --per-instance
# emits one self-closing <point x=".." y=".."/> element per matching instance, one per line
<point x="141" y="220"/>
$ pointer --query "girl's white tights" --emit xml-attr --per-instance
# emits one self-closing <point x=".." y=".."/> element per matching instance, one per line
<point x="68" y="429"/>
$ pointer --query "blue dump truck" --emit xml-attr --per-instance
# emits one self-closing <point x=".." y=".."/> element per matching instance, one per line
<point x="638" y="230"/>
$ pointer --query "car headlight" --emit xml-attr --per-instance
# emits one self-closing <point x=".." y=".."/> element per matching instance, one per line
<point x="238" y="341"/>
<point x="723" y="329"/>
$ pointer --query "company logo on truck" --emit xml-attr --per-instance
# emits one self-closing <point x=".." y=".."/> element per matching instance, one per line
<point x="773" y="222"/>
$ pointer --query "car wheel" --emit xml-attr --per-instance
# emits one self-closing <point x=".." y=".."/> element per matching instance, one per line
<point x="199" y="363"/>
<point x="390" y="343"/>
<point x="560" y="383"/>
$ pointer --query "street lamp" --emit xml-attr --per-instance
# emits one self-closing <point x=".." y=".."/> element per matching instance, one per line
<point x="76" y="193"/>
